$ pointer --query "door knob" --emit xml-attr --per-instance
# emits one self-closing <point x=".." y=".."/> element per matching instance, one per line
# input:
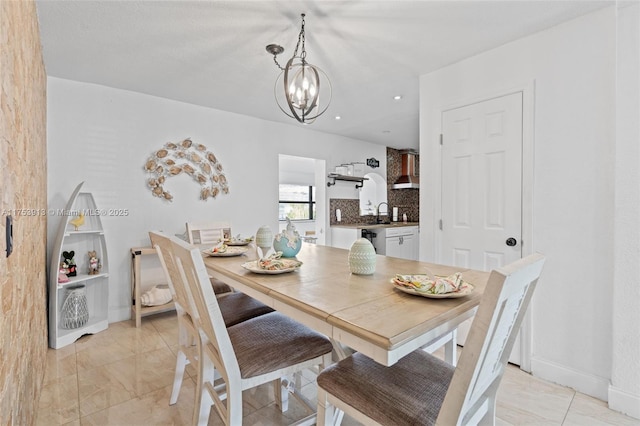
<point x="511" y="242"/>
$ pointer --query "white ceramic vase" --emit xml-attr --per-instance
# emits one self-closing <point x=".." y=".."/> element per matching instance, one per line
<point x="362" y="257"/>
<point x="264" y="239"/>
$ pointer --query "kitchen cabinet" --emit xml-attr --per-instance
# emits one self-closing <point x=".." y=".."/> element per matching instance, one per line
<point x="344" y="237"/>
<point x="399" y="242"/>
<point x="388" y="240"/>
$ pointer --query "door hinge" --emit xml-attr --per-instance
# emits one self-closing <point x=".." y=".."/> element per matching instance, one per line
<point x="441" y="138"/>
<point x="440" y="224"/>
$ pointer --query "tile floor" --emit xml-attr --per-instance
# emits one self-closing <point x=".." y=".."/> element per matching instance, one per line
<point x="123" y="376"/>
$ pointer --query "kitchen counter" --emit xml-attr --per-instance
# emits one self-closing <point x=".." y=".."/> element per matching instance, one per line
<point x="395" y="239"/>
<point x="376" y="225"/>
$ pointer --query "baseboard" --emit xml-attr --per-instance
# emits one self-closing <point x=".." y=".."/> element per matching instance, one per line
<point x="624" y="402"/>
<point x="119" y="314"/>
<point x="597" y="387"/>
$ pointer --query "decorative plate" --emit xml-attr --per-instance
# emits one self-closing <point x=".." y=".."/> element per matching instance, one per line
<point x="238" y="242"/>
<point x="230" y="251"/>
<point x="465" y="289"/>
<point x="288" y="265"/>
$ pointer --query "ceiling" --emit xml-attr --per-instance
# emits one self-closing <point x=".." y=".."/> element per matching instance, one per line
<point x="212" y="53"/>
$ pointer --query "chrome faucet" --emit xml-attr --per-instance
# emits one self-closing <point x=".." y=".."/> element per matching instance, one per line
<point x="378" y="210"/>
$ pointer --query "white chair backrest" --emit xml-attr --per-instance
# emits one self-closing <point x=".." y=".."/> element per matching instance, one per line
<point x="162" y="244"/>
<point x="206" y="232"/>
<point x="490" y="341"/>
<point x="194" y="277"/>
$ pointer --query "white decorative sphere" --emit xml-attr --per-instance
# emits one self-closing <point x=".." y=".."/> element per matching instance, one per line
<point x="362" y="257"/>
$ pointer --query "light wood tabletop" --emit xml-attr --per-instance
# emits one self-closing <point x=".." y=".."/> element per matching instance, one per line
<point x="363" y="312"/>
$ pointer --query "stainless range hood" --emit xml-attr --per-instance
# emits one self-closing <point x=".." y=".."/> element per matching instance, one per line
<point x="408" y="178"/>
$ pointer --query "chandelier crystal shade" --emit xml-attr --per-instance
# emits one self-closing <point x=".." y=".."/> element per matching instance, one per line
<point x="300" y="86"/>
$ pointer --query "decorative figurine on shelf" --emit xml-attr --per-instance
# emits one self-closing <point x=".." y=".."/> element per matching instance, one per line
<point x="94" y="264"/>
<point x="77" y="222"/>
<point x="71" y="264"/>
<point x="62" y="273"/>
<point x="288" y="241"/>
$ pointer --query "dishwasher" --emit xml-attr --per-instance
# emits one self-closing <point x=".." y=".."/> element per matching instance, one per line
<point x="371" y="236"/>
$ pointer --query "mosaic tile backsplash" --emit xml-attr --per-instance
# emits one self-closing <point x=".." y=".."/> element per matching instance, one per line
<point x="406" y="200"/>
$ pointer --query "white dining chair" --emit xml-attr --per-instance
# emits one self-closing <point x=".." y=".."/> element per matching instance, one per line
<point x="200" y="233"/>
<point x="260" y="350"/>
<point x="421" y="389"/>
<point x="235" y="308"/>
<point x="207" y="232"/>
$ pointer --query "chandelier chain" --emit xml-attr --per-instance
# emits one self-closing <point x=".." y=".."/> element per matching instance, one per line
<point x="301" y="39"/>
<point x="275" y="59"/>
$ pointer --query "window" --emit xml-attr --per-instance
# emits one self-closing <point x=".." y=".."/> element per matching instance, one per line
<point x="297" y="202"/>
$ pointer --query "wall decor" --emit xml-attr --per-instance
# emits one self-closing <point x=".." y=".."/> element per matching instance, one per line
<point x="373" y="163"/>
<point x="187" y="157"/>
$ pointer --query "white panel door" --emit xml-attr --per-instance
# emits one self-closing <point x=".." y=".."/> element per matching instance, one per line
<point x="482" y="186"/>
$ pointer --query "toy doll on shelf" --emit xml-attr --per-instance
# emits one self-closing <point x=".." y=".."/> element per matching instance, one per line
<point x="62" y="273"/>
<point x="70" y="262"/>
<point x="94" y="263"/>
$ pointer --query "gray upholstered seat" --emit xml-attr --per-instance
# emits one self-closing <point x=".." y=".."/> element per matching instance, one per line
<point x="409" y="393"/>
<point x="272" y="342"/>
<point x="220" y="287"/>
<point x="238" y="307"/>
<point x="422" y="390"/>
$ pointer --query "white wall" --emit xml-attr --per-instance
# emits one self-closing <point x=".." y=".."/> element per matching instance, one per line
<point x="571" y="68"/>
<point x="624" y="392"/>
<point x="103" y="136"/>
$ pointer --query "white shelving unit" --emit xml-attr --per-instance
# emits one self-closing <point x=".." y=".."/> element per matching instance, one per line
<point x="88" y="237"/>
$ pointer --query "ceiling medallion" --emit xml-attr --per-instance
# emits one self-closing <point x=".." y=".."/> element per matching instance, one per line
<point x="304" y="84"/>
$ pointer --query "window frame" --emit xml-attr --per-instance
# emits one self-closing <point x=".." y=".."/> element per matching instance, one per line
<point x="311" y="202"/>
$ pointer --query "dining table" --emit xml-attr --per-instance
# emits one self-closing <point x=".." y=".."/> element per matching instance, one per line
<point x="363" y="313"/>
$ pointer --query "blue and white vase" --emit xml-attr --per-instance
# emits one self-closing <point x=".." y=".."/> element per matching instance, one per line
<point x="362" y="257"/>
<point x="288" y="241"/>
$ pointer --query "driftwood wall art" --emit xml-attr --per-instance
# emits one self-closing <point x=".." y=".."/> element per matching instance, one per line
<point x="185" y="157"/>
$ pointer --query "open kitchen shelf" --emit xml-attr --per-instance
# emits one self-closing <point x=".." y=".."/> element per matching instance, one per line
<point x="334" y="177"/>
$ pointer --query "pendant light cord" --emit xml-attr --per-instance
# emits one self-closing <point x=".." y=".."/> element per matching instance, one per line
<point x="301" y="38"/>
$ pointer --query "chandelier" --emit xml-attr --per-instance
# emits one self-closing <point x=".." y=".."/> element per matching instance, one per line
<point x="302" y="84"/>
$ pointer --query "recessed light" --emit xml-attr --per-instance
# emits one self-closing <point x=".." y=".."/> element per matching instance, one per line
<point x="338" y="117"/>
<point x="397" y="97"/>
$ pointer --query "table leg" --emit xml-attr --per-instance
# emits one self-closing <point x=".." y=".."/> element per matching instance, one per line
<point x="450" y="343"/>
<point x="341" y="351"/>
